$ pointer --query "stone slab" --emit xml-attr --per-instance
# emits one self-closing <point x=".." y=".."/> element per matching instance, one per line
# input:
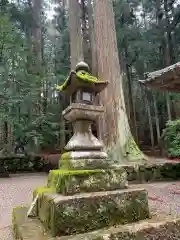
<point x="83" y="163"/>
<point x="82" y="111"/>
<point x="65" y="215"/>
<point x="162" y="227"/>
<point x="156" y="172"/>
<point x="68" y="182"/>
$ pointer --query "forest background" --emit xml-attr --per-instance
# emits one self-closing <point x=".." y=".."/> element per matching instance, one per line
<point x="35" y="55"/>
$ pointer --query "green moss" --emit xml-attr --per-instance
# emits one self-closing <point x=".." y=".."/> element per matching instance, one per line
<point x="14" y="224"/>
<point x="82" y="76"/>
<point x="64" y="181"/>
<point x="162" y="227"/>
<point x="64" y="161"/>
<point x="85" y="76"/>
<point x="131" y="150"/>
<point x="150" y="173"/>
<point x="69" y="182"/>
<point x="42" y="190"/>
<point x="83" y="213"/>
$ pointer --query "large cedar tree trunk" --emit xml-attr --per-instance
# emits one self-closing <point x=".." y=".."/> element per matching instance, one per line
<point x="37" y="50"/>
<point x="76" y="43"/>
<point x="92" y="38"/>
<point x="115" y="129"/>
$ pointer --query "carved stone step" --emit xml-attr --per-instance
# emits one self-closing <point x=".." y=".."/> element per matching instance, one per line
<point x="69" y="182"/>
<point x="66" y="215"/>
<point x="161" y="227"/>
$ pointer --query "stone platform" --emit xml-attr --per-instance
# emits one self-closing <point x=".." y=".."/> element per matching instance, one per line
<point x="66" y="215"/>
<point x="76" y="201"/>
<point x="153" y="171"/>
<point x="68" y="182"/>
<point x="164" y="227"/>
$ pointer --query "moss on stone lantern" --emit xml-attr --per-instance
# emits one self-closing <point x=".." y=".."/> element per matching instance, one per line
<point x="81" y="86"/>
<point x="83" y="148"/>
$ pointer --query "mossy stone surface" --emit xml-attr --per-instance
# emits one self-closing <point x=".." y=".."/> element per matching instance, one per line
<point x="153" y="173"/>
<point x="66" y="162"/>
<point x="157" y="228"/>
<point x="79" y="79"/>
<point x="69" y="182"/>
<point x="66" y="215"/>
<point x="42" y="190"/>
<point x="25" y="228"/>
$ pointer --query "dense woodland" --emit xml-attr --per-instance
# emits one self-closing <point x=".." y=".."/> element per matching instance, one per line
<point x="40" y="43"/>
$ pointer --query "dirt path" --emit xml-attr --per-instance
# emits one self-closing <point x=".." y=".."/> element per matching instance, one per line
<point x="17" y="190"/>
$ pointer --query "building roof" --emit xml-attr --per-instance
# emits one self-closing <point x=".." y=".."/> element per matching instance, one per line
<point x="167" y="79"/>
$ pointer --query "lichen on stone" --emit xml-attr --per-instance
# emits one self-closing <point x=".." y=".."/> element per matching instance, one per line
<point x="64" y="161"/>
<point x="83" y="213"/>
<point x="42" y="190"/>
<point x="161" y="227"/>
<point x="69" y="182"/>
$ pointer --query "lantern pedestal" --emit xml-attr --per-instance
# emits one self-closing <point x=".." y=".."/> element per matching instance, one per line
<point x="83" y="139"/>
<point x="84" y="150"/>
<point x="83" y="146"/>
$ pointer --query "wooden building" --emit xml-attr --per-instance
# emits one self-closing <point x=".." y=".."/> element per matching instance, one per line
<point x="167" y="79"/>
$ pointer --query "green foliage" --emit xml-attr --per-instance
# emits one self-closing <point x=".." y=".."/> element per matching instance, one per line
<point x="171" y="137"/>
<point x="29" y="103"/>
<point x="142" y="29"/>
<point x="15" y="164"/>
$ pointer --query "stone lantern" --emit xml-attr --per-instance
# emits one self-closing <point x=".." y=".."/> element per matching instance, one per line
<point x="81" y="88"/>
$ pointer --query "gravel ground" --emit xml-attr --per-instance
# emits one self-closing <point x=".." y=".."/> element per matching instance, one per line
<point x="164" y="197"/>
<point x="17" y="190"/>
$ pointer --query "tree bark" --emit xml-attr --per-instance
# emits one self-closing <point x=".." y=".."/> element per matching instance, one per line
<point x="115" y="127"/>
<point x="132" y="114"/>
<point x="92" y="38"/>
<point x="166" y="42"/>
<point x="156" y="118"/>
<point x="37" y="48"/>
<point x="37" y="35"/>
<point x="168" y="104"/>
<point x="75" y="31"/>
<point x="147" y="103"/>
<point x="85" y="32"/>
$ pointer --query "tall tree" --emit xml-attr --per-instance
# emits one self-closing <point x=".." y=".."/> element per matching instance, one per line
<point x="115" y="127"/>
<point x="75" y="32"/>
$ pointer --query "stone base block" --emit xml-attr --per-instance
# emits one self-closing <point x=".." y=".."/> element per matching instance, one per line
<point x="154" y="172"/>
<point x="69" y="161"/>
<point x="69" y="182"/>
<point x="66" y="215"/>
<point x="162" y="227"/>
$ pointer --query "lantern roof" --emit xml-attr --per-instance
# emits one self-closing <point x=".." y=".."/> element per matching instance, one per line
<point x="81" y="79"/>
